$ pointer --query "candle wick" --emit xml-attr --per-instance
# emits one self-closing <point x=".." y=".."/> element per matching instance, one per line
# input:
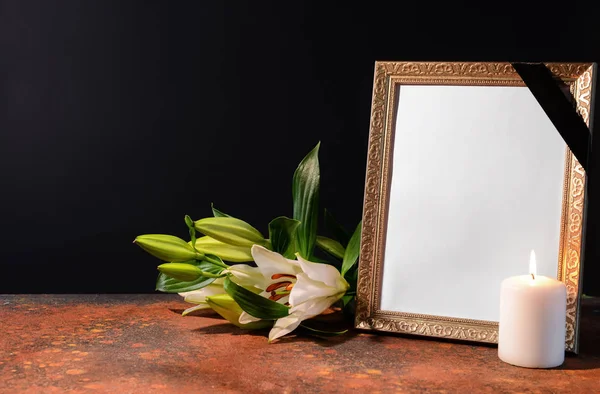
<point x="532" y="276"/>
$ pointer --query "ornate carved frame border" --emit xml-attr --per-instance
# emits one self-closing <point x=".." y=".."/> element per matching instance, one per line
<point x="577" y="77"/>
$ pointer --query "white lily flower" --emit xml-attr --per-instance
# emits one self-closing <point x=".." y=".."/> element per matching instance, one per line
<point x="199" y="296"/>
<point x="278" y="277"/>
<point x="309" y="288"/>
<point x="316" y="289"/>
<point x="243" y="274"/>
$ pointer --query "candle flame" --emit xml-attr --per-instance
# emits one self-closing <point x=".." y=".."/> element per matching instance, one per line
<point x="532" y="265"/>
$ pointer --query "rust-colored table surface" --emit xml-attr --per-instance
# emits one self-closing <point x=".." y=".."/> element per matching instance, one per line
<point x="141" y="344"/>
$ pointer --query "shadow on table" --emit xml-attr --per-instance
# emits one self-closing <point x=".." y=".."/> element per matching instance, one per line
<point x="227" y="328"/>
<point x="574" y="362"/>
<point x="324" y="323"/>
<point x="299" y="335"/>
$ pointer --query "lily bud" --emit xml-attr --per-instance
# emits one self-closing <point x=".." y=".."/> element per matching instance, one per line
<point x="225" y="306"/>
<point x="181" y="271"/>
<point x="233" y="253"/>
<point x="229" y="230"/>
<point x="167" y="247"/>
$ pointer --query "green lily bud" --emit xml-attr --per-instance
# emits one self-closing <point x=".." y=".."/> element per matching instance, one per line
<point x="233" y="253"/>
<point x="181" y="271"/>
<point x="167" y="247"/>
<point x="225" y="306"/>
<point x="229" y="230"/>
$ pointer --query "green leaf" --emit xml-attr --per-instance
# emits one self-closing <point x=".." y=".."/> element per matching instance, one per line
<point x="352" y="251"/>
<point x="338" y="232"/>
<point x="352" y="277"/>
<point x="217" y="213"/>
<point x="331" y="246"/>
<point x="171" y="285"/>
<point x="305" y="192"/>
<point x="349" y="305"/>
<point x="347" y="298"/>
<point x="322" y="333"/>
<point x="254" y="304"/>
<point x="230" y="231"/>
<point x="282" y="234"/>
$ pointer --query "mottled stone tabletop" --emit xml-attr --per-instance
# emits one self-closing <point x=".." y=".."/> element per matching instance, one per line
<point x="141" y="344"/>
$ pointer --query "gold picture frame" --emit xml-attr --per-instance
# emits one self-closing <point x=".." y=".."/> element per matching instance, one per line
<point x="388" y="76"/>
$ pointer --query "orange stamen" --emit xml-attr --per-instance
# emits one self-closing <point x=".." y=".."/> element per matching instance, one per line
<point x="275" y="286"/>
<point x="279" y="276"/>
<point x="276" y="297"/>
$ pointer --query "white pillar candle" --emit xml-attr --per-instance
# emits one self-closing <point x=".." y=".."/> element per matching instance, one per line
<point x="532" y="320"/>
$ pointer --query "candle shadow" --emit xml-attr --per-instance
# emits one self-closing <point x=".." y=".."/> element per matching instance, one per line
<point x="574" y="362"/>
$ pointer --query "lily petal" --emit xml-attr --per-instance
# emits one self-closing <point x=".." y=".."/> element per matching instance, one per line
<point x="186" y="293"/>
<point x="304" y="311"/>
<point x="246" y="318"/>
<point x="247" y="276"/>
<point x="306" y="289"/>
<point x="325" y="273"/>
<point x="314" y="307"/>
<point x="271" y="263"/>
<point x="195" y="308"/>
<point x="284" y="326"/>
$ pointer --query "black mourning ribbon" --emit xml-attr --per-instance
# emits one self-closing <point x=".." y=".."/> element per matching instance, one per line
<point x="538" y="78"/>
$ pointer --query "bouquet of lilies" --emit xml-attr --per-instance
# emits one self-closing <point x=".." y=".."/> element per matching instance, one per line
<point x="256" y="282"/>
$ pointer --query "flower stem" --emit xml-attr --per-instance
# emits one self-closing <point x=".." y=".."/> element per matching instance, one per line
<point x="215" y="261"/>
<point x="210" y="275"/>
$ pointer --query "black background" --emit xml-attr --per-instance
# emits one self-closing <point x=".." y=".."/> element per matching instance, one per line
<point x="117" y="118"/>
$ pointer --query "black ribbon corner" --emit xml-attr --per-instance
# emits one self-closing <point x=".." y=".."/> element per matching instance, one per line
<point x="561" y="112"/>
